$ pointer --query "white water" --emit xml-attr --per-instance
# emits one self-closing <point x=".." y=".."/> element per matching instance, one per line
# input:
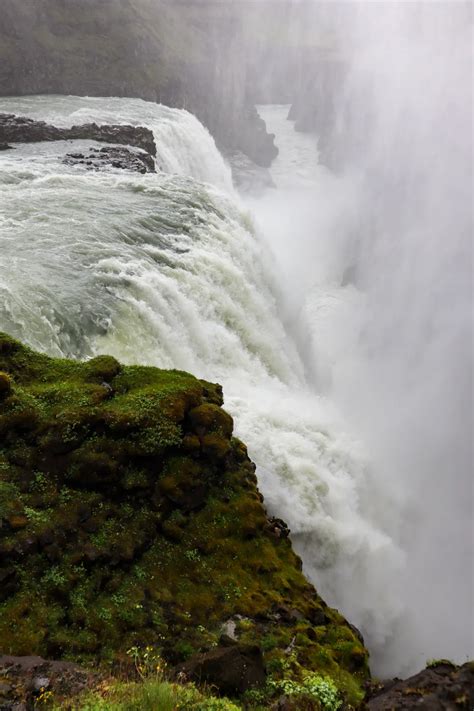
<point x="379" y="270"/>
<point x="175" y="131"/>
<point x="167" y="270"/>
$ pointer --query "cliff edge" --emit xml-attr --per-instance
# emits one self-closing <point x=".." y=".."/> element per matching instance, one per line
<point x="130" y="517"/>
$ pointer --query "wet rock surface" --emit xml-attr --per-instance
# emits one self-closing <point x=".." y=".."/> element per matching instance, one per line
<point x="20" y="129"/>
<point x="440" y="687"/>
<point x="123" y="158"/>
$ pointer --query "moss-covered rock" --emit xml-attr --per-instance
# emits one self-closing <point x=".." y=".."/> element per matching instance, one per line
<point x="5" y="384"/>
<point x="135" y="519"/>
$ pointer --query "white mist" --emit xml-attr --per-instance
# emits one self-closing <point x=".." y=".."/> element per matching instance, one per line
<point x="377" y="262"/>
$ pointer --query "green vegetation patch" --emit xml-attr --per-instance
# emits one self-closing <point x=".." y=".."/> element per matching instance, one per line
<point x="130" y="517"/>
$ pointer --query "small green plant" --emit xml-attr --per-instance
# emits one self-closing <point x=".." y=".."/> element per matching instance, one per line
<point x="147" y="661"/>
<point x="54" y="577"/>
<point x="317" y="687"/>
<point x="36" y="516"/>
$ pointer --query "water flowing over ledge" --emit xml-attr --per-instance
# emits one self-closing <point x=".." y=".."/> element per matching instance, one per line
<point x="169" y="270"/>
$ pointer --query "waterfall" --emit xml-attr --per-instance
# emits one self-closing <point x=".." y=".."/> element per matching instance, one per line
<point x="169" y="269"/>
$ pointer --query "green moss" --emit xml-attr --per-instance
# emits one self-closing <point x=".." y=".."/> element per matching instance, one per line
<point x="5" y="384"/>
<point x="210" y="418"/>
<point x="135" y="519"/>
<point x="103" y="368"/>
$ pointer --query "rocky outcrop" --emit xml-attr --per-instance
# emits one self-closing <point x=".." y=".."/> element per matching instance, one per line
<point x="442" y="686"/>
<point x="130" y="516"/>
<point x="134" y="152"/>
<point x="254" y="140"/>
<point x="136" y="161"/>
<point x="28" y="682"/>
<point x="19" y="129"/>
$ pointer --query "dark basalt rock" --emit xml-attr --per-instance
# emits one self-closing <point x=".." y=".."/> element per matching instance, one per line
<point x="24" y="679"/>
<point x="5" y="147"/>
<point x="115" y="157"/>
<point x="440" y="687"/>
<point x="232" y="668"/>
<point x="254" y="140"/>
<point x="20" y="129"/>
<point x="278" y="528"/>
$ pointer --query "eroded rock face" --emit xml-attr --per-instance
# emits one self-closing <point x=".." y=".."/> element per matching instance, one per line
<point x="20" y="129"/>
<point x="440" y="687"/>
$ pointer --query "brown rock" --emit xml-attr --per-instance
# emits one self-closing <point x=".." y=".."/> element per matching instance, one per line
<point x="439" y="687"/>
<point x="24" y="677"/>
<point x="232" y="669"/>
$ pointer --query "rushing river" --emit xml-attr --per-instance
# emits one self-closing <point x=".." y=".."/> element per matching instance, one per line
<point x="175" y="269"/>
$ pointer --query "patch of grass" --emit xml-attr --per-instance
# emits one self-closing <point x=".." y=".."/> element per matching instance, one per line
<point x="152" y="694"/>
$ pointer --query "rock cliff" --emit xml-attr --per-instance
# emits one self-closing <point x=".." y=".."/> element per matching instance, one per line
<point x="130" y="516"/>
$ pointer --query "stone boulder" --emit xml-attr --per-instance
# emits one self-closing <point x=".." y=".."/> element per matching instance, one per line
<point x="121" y="157"/>
<point x="442" y="686"/>
<point x="233" y="668"/>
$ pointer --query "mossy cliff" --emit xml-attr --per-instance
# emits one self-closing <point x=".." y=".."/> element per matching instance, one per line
<point x="130" y="516"/>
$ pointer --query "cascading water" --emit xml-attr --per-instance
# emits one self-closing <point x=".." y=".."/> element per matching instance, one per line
<point x="168" y="270"/>
<point x="175" y="131"/>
